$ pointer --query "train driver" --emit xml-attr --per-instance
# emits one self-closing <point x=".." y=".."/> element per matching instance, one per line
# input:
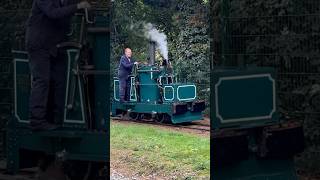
<point x="125" y="68"/>
<point x="48" y="26"/>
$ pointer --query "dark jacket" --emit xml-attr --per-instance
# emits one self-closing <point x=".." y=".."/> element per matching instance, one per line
<point x="48" y="24"/>
<point x="125" y="67"/>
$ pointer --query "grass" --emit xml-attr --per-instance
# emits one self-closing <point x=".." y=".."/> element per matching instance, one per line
<point x="148" y="150"/>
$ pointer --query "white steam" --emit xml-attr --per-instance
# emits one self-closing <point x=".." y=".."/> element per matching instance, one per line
<point x="160" y="38"/>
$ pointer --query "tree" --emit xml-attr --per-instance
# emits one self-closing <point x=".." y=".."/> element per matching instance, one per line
<point x="190" y="45"/>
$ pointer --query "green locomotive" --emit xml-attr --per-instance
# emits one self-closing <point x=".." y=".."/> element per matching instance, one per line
<point x="156" y="93"/>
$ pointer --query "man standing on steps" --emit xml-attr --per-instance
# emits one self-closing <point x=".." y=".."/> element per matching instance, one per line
<point x="47" y="26"/>
<point x="125" y="69"/>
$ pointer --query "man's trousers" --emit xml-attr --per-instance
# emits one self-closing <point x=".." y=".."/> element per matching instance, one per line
<point x="124" y="89"/>
<point x="47" y="96"/>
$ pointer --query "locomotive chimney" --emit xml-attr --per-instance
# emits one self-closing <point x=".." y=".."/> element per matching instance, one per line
<point x="152" y="52"/>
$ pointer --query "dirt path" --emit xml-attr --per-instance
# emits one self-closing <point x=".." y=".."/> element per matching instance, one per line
<point x="120" y="170"/>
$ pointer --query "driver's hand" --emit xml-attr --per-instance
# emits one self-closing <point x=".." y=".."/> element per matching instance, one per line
<point x="83" y="5"/>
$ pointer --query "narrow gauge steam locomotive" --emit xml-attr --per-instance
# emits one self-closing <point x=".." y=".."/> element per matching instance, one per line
<point x="155" y="93"/>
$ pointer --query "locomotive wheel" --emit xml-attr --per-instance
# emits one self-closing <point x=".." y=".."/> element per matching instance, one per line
<point x="123" y="115"/>
<point x="134" y="116"/>
<point x="163" y="118"/>
<point x="160" y="118"/>
<point x="167" y="118"/>
<point x="48" y="168"/>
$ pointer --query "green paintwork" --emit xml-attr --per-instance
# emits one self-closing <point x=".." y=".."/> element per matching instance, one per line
<point x="243" y="98"/>
<point x="168" y="93"/>
<point x="149" y="91"/>
<point x="187" y="117"/>
<point x="116" y="89"/>
<point x="179" y="92"/>
<point x="76" y="115"/>
<point x="22" y="86"/>
<point x="101" y="56"/>
<point x="186" y="92"/>
<point x="249" y="95"/>
<point x="75" y="137"/>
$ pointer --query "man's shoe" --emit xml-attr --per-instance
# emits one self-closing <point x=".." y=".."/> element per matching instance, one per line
<point x="45" y="127"/>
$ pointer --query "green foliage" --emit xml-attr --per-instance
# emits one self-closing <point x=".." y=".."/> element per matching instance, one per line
<point x="190" y="45"/>
<point x="12" y="25"/>
<point x="128" y="24"/>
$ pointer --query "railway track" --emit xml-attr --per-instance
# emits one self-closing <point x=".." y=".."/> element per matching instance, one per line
<point x="190" y="126"/>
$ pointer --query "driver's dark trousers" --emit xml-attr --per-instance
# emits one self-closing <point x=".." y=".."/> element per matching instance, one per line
<point x="48" y="87"/>
<point x="124" y="89"/>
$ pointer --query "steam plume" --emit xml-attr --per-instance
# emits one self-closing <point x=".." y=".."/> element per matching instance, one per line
<point x="160" y="38"/>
